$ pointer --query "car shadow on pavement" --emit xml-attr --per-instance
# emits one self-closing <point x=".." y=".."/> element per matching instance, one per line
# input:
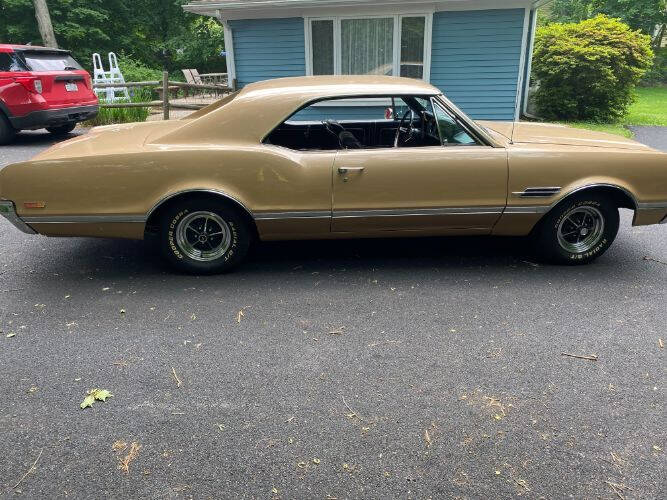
<point x="389" y="252"/>
<point x="41" y="138"/>
<point x="136" y="258"/>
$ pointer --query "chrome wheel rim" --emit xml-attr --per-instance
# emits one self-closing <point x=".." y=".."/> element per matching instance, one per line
<point x="203" y="236"/>
<point x="580" y="229"/>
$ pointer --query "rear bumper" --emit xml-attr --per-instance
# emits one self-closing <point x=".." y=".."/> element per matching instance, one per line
<point x="8" y="211"/>
<point x="53" y="117"/>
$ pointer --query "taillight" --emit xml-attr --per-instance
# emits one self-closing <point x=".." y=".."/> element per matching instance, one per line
<point x="30" y="83"/>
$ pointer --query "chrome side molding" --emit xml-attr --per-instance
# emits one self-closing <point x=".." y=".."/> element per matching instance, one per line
<point x="84" y="219"/>
<point x="537" y="192"/>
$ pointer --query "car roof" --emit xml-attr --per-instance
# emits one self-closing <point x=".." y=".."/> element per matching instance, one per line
<point x="8" y="47"/>
<point x="339" y="86"/>
<point x="259" y="107"/>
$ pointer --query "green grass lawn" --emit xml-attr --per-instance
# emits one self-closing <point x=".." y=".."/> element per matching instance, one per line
<point x="650" y="108"/>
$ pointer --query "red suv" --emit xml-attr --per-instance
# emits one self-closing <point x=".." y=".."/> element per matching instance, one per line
<point x="42" y="88"/>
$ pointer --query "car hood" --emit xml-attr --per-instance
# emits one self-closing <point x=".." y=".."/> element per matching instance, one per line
<point x="110" y="139"/>
<point x="548" y="133"/>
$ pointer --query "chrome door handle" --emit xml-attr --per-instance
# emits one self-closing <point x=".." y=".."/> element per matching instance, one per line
<point x="345" y="170"/>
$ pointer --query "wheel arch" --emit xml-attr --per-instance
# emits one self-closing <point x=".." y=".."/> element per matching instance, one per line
<point x="622" y="196"/>
<point x="179" y="196"/>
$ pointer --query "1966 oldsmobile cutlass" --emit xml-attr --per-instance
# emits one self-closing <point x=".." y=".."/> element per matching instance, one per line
<point x="335" y="157"/>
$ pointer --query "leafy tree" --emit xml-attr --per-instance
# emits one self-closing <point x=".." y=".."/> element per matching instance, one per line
<point x="156" y="33"/>
<point x="587" y="70"/>
<point x="642" y="15"/>
<point x="17" y="22"/>
<point x="570" y="11"/>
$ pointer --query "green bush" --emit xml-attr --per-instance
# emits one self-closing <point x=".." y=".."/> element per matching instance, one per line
<point x="588" y="70"/>
<point x="136" y="71"/>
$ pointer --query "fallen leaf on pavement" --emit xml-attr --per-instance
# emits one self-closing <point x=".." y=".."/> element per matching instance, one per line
<point x="337" y="331"/>
<point x="95" y="395"/>
<point x="124" y="464"/>
<point x="661" y="343"/>
<point x="119" y="445"/>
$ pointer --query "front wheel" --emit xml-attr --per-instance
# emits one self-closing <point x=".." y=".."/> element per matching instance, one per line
<point x="62" y="129"/>
<point x="578" y="230"/>
<point x="204" y="236"/>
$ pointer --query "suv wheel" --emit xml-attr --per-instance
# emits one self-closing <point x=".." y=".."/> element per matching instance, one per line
<point x="204" y="236"/>
<point x="7" y="132"/>
<point x="578" y="230"/>
<point x="62" y="129"/>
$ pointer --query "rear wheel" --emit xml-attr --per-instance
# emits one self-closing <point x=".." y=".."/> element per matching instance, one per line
<point x="578" y="230"/>
<point x="203" y="236"/>
<point x="62" y="129"/>
<point x="7" y="132"/>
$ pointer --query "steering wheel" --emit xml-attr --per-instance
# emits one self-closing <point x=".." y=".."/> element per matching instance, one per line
<point x="410" y="129"/>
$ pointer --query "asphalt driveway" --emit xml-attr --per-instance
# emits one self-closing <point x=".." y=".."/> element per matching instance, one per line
<point x="376" y="369"/>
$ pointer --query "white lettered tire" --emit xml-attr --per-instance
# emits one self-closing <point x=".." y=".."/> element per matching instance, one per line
<point x="578" y="230"/>
<point x="203" y="236"/>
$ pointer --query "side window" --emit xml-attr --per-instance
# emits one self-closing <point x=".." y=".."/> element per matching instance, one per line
<point x="451" y="131"/>
<point x="333" y="124"/>
<point x="359" y="123"/>
<point x="9" y="62"/>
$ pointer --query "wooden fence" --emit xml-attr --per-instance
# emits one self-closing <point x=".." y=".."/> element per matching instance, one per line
<point x="164" y="87"/>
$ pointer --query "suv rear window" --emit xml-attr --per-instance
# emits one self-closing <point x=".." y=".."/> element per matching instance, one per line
<point x="10" y="62"/>
<point x="44" y="61"/>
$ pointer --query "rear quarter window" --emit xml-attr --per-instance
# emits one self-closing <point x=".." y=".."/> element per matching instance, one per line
<point x="10" y="62"/>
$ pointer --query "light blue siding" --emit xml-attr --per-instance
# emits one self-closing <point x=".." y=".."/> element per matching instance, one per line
<point x="268" y="48"/>
<point x="475" y="57"/>
<point x="475" y="60"/>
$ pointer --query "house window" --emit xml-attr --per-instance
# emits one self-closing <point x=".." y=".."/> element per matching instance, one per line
<point x="381" y="45"/>
<point x="323" y="47"/>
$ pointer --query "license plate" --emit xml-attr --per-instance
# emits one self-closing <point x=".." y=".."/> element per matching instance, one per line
<point x="71" y="87"/>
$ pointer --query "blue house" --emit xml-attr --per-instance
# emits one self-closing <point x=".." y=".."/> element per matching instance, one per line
<point x="478" y="52"/>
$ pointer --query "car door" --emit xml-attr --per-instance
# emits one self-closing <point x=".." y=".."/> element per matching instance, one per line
<point x="457" y="187"/>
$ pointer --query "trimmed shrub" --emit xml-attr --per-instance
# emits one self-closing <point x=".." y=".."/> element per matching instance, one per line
<point x="588" y="70"/>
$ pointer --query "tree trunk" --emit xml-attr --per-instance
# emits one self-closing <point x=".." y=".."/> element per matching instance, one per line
<point x="660" y="33"/>
<point x="44" y="23"/>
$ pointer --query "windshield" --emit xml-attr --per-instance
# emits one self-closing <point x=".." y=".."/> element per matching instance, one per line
<point x="44" y="61"/>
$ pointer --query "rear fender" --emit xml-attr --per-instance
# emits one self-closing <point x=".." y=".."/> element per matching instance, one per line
<point x="15" y="100"/>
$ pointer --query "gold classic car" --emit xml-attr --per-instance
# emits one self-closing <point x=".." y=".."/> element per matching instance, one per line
<point x="335" y="157"/>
